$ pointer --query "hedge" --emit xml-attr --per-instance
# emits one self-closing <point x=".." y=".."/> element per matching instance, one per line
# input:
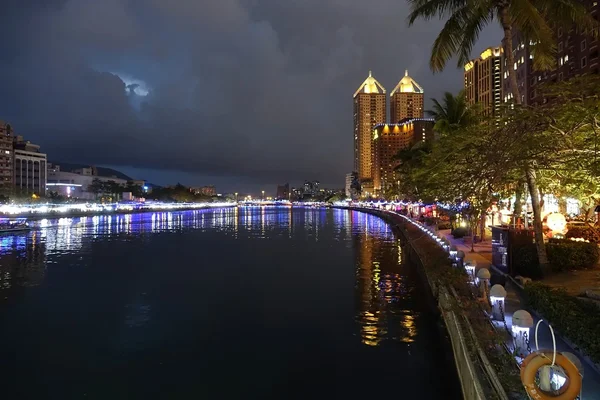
<point x="577" y="320"/>
<point x="584" y="232"/>
<point x="563" y="255"/>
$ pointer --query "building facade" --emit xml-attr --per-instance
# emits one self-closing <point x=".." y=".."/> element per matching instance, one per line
<point x="388" y="140"/>
<point x="76" y="184"/>
<point x="283" y="192"/>
<point x="406" y="100"/>
<point x="6" y="159"/>
<point x="577" y="54"/>
<point x="30" y="167"/>
<point x="483" y="80"/>
<point x="369" y="110"/>
<point x="209" y="190"/>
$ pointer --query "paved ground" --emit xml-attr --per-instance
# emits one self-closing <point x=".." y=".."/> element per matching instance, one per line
<point x="514" y="302"/>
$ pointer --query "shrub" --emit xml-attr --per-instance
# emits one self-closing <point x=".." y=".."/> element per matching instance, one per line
<point x="563" y="255"/>
<point x="567" y="255"/>
<point x="584" y="232"/>
<point x="459" y="232"/>
<point x="525" y="262"/>
<point x="577" y="320"/>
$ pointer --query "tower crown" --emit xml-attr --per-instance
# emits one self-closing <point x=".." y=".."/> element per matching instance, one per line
<point x="370" y="85"/>
<point x="407" y="85"/>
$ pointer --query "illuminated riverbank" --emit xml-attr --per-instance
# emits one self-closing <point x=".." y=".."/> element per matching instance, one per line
<point x="38" y="211"/>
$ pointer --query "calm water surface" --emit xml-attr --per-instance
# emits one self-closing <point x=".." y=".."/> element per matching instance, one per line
<point x="216" y="304"/>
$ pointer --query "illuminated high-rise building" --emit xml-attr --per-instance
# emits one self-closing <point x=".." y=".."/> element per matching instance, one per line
<point x="388" y="140"/>
<point x="406" y="100"/>
<point x="369" y="110"/>
<point x="483" y="81"/>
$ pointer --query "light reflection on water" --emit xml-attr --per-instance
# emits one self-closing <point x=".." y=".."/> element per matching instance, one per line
<point x="196" y="289"/>
<point x="383" y="283"/>
<point x="380" y="276"/>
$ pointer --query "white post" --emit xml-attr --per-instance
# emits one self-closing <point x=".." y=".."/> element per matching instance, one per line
<point x="483" y="278"/>
<point x="521" y="330"/>
<point x="497" y="297"/>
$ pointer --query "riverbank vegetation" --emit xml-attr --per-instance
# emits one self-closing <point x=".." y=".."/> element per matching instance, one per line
<point x="577" y="320"/>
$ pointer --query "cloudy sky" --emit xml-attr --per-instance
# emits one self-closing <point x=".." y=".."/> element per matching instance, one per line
<point x="243" y="94"/>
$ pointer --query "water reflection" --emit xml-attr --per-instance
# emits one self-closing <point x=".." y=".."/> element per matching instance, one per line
<point x="381" y="283"/>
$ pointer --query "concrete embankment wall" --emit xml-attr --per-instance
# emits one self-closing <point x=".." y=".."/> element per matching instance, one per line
<point x="477" y="378"/>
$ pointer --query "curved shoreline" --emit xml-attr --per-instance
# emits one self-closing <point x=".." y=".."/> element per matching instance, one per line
<point x="476" y="378"/>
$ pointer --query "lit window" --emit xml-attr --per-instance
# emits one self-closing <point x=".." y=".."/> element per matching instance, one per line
<point x="566" y="58"/>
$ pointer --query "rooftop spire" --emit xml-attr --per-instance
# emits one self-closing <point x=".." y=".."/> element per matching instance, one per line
<point x="370" y="85"/>
<point x="407" y="85"/>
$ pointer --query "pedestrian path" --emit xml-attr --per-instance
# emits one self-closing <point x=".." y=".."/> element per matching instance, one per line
<point x="514" y="301"/>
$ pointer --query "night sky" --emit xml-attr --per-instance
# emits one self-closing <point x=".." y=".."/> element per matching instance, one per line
<point x="242" y="94"/>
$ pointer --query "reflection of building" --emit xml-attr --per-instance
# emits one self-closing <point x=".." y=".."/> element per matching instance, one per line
<point x="283" y="192"/>
<point x="483" y="81"/>
<point x="406" y="100"/>
<point x="369" y="109"/>
<point x="388" y="140"/>
<point x="30" y="167"/>
<point x="23" y="264"/>
<point x="6" y="158"/>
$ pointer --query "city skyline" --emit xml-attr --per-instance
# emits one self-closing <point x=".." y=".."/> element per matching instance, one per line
<point x="87" y="92"/>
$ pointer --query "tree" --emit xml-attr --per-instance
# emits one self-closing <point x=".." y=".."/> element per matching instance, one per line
<point x="451" y="114"/>
<point x="465" y="21"/>
<point x="96" y="187"/>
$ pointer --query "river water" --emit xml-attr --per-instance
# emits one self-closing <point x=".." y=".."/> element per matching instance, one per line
<point x="246" y="303"/>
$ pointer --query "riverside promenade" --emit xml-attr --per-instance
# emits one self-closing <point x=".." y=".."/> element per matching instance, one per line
<point x="482" y="256"/>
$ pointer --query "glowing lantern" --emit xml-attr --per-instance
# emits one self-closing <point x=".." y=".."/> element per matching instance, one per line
<point x="557" y="223"/>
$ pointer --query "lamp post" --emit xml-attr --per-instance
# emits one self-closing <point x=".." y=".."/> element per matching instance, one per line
<point x="263" y="196"/>
<point x="236" y="197"/>
<point x="483" y="278"/>
<point x="497" y="296"/>
<point x="521" y="330"/>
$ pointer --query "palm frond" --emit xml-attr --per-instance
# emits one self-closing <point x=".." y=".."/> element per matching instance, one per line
<point x="532" y="24"/>
<point x="428" y="9"/>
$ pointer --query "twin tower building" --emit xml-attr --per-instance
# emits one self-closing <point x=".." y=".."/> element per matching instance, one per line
<point x="376" y="142"/>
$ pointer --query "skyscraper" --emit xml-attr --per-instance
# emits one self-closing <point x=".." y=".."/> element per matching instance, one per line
<point x="369" y="109"/>
<point x="406" y="100"/>
<point x="577" y="54"/>
<point x="388" y="140"/>
<point x="6" y="158"/>
<point x="483" y="81"/>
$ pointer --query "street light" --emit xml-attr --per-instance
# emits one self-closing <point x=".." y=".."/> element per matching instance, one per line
<point x="263" y="195"/>
<point x="236" y="198"/>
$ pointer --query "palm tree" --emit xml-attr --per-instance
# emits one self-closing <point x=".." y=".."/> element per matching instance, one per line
<point x="465" y="21"/>
<point x="451" y="114"/>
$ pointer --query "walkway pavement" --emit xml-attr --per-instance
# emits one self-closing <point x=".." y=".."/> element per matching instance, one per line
<point x="514" y="301"/>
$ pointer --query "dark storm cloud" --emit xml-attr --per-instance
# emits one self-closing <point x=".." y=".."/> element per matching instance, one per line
<point x="259" y="89"/>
